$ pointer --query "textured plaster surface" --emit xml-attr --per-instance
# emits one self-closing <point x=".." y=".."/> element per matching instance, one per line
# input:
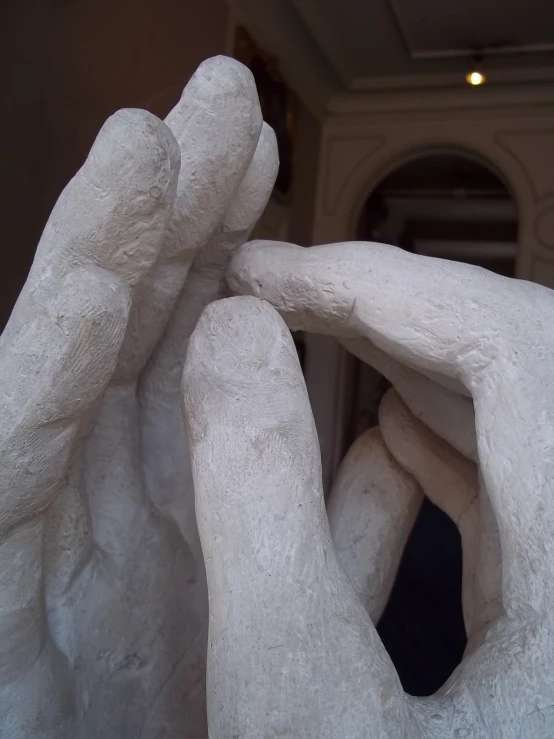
<point x="470" y="423"/>
<point x="168" y="568"/>
<point x="103" y="604"/>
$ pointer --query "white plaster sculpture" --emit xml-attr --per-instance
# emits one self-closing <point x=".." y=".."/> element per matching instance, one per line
<point x="291" y="652"/>
<point x="103" y="603"/>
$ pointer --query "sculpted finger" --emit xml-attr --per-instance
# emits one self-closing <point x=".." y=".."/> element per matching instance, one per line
<point x="448" y="479"/>
<point x="403" y="302"/>
<point x="488" y="576"/>
<point x="52" y="374"/>
<point x="372" y="508"/>
<point x="448" y="414"/>
<point x="167" y="470"/>
<point x="217" y="125"/>
<point x="451" y="417"/>
<point x="112" y="214"/>
<point x="54" y="371"/>
<point x="315" y="667"/>
<point x="463" y="323"/>
<point x="57" y="355"/>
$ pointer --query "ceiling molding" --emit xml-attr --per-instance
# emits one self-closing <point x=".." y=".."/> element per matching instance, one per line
<point x="284" y="29"/>
<point x="482" y="99"/>
<point x="452" y="79"/>
<point x="485" y="52"/>
<point x="413" y="29"/>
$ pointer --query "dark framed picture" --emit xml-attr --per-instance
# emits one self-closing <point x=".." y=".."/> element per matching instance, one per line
<point x="277" y="101"/>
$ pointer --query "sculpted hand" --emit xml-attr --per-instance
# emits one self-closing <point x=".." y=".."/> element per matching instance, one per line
<point x="292" y="649"/>
<point x="102" y="594"/>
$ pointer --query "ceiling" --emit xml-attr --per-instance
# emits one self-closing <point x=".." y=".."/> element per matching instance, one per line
<point x="387" y="45"/>
<point x="370" y="42"/>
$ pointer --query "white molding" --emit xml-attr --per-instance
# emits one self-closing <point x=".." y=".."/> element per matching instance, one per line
<point x="451" y="79"/>
<point x="485" y="99"/>
<point x="319" y="81"/>
<point x="484" y="53"/>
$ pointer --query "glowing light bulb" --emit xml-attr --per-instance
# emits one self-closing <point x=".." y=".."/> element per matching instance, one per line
<point x="475" y="78"/>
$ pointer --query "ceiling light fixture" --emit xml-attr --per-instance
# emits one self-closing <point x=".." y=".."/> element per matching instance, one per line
<point x="475" y="76"/>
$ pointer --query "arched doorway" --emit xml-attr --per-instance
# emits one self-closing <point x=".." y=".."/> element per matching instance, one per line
<point x="446" y="205"/>
<point x="441" y="204"/>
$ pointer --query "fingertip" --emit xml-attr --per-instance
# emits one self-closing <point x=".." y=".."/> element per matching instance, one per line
<point x="241" y="364"/>
<point x="262" y="171"/>
<point x="255" y="189"/>
<point x="392" y="406"/>
<point x="265" y="161"/>
<point x="112" y="214"/>
<point x="225" y="88"/>
<point x="133" y="150"/>
<point x="217" y="123"/>
<point x="268" y="136"/>
<point x="252" y="269"/>
<point x="401" y="430"/>
<point x="267" y="151"/>
<point x="238" y="339"/>
<point x="308" y="286"/>
<point x="221" y="76"/>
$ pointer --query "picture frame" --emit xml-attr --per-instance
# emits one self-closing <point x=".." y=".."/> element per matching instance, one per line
<point x="277" y="101"/>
